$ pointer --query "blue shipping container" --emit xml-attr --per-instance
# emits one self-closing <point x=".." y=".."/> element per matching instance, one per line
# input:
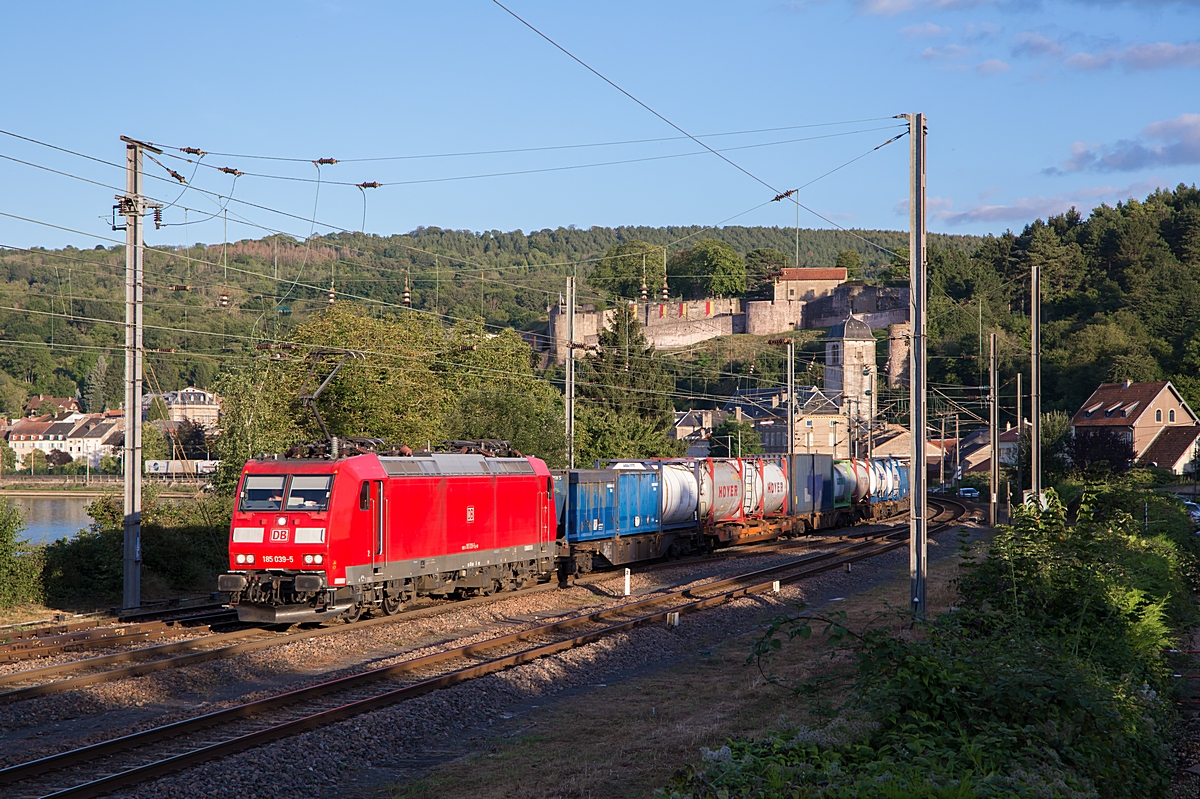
<point x="812" y="484"/>
<point x="604" y="503"/>
<point x="638" y="501"/>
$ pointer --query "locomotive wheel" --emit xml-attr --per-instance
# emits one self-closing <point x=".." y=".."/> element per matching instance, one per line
<point x="353" y="614"/>
<point x="391" y="604"/>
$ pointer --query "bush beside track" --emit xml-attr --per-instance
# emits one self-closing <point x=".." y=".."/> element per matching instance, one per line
<point x="1047" y="680"/>
<point x="184" y="547"/>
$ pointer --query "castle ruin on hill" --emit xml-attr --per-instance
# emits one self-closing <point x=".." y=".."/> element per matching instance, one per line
<point x="802" y="298"/>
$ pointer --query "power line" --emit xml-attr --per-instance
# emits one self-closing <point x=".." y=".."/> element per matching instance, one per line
<point x="546" y="148"/>
<point x="542" y="170"/>
<point x="595" y="72"/>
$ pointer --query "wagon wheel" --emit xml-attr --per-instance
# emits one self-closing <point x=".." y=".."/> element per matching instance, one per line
<point x="353" y="614"/>
<point x="391" y="604"/>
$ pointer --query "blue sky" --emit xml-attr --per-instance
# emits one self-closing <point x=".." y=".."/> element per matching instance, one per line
<point x="1032" y="106"/>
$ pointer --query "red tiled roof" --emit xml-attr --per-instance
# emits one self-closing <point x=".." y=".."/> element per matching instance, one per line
<point x="1170" y="445"/>
<point x="807" y="273"/>
<point x="1113" y="399"/>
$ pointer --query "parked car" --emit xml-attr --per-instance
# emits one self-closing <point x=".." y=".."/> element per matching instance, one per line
<point x="966" y="492"/>
<point x="1193" y="510"/>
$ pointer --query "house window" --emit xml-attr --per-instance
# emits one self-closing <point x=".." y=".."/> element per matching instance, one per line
<point x="832" y="439"/>
<point x="1158" y="415"/>
<point x="808" y="422"/>
<point x="1171" y="415"/>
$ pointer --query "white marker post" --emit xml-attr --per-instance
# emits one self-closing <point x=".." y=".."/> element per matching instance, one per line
<point x="627" y="582"/>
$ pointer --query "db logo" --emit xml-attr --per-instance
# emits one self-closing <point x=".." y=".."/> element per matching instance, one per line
<point x="279" y="535"/>
<point x="470" y="513"/>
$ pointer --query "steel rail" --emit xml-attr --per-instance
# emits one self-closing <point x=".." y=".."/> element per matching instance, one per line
<point x="806" y="567"/>
<point x="182" y="661"/>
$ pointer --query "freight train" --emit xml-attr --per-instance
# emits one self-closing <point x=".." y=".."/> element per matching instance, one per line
<point x="316" y="538"/>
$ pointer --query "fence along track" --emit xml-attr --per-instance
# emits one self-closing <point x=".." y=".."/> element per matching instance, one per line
<point x="122" y="761"/>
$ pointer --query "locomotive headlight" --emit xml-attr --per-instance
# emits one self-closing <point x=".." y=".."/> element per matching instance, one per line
<point x="319" y="558"/>
<point x="250" y="558"/>
<point x="280" y="520"/>
<point x="308" y="559"/>
<point x="241" y="558"/>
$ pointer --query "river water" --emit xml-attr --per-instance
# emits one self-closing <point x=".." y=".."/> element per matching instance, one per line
<point x="52" y="517"/>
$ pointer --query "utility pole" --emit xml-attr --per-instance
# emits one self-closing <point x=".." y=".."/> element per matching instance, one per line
<point x="791" y="401"/>
<point x="1035" y="383"/>
<point x="1020" y="432"/>
<point x="994" y="437"/>
<point x="917" y="543"/>
<point x="942" y="459"/>
<point x="132" y="206"/>
<point x="571" y="372"/>
<point x="957" y="454"/>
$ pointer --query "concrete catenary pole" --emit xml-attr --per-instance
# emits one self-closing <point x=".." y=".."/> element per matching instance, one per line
<point x="1035" y="383"/>
<point x="133" y="207"/>
<point x="994" y="437"/>
<point x="571" y="372"/>
<point x="918" y="545"/>
<point x="1020" y="432"/>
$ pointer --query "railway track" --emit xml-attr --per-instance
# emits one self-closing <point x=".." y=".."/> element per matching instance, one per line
<point x="47" y="680"/>
<point x="48" y="641"/>
<point x="127" y="760"/>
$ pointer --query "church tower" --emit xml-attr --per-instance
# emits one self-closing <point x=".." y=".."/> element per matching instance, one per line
<point x="850" y="370"/>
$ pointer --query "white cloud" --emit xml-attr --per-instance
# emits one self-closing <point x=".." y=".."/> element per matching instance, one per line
<point x="1170" y="142"/>
<point x="1031" y="43"/>
<point x="885" y="8"/>
<point x="947" y="52"/>
<point x="1026" y="209"/>
<point x="993" y="66"/>
<point x="1158" y="55"/>
<point x="926" y="30"/>
<point x="982" y="31"/>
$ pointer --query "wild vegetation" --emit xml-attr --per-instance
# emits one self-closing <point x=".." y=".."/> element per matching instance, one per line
<point x="1047" y="680"/>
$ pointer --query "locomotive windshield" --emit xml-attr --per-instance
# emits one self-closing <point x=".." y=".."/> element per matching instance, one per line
<point x="263" y="492"/>
<point x="309" y="492"/>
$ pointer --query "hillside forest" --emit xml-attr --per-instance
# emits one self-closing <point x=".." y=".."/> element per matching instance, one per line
<point x="1121" y="299"/>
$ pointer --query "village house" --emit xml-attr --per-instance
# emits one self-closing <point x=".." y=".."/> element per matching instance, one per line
<point x="191" y="404"/>
<point x="1152" y="418"/>
<point x="64" y="404"/>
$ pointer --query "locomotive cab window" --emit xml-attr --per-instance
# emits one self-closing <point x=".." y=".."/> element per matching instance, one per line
<point x="263" y="492"/>
<point x="364" y="496"/>
<point x="309" y="492"/>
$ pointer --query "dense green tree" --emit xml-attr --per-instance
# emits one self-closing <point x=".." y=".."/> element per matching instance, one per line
<point x="763" y="265"/>
<point x="625" y="268"/>
<point x="158" y="410"/>
<point x="93" y="388"/>
<point x="12" y="397"/>
<point x="711" y="268"/>
<point x="851" y="261"/>
<point x="8" y="458"/>
<point x="625" y="391"/>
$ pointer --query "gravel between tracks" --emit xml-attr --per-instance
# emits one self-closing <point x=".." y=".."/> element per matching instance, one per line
<point x="54" y="723"/>
<point x="393" y="743"/>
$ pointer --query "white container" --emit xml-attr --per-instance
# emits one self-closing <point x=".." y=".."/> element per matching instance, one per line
<point x="680" y="493"/>
<point x="720" y="492"/>
<point x="773" y="486"/>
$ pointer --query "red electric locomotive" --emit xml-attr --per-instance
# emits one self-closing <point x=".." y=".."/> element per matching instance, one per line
<point x="313" y="539"/>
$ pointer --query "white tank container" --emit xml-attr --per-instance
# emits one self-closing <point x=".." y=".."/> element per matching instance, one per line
<point x="774" y="488"/>
<point x="721" y="492"/>
<point x="680" y="494"/>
